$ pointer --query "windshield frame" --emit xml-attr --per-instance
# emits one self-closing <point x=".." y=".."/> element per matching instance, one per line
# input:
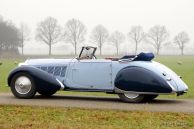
<point x="92" y="54"/>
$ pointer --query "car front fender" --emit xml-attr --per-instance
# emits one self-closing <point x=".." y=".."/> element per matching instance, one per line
<point x="42" y="80"/>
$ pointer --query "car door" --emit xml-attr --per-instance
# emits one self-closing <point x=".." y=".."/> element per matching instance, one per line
<point x="92" y="74"/>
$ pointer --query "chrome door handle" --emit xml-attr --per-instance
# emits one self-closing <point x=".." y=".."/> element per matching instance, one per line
<point x="75" y="69"/>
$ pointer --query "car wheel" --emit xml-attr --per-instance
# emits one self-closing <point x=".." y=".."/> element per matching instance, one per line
<point x="131" y="97"/>
<point x="148" y="98"/>
<point x="22" y="86"/>
<point x="47" y="93"/>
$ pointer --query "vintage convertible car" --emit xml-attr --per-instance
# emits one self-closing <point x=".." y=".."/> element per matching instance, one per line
<point x="134" y="78"/>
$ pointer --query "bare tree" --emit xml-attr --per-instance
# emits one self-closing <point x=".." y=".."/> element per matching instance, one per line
<point x="75" y="31"/>
<point x="9" y="38"/>
<point x="136" y="35"/>
<point x="49" y="31"/>
<point x="116" y="38"/>
<point x="100" y="36"/>
<point x="181" y="39"/>
<point x="157" y="35"/>
<point x="24" y="33"/>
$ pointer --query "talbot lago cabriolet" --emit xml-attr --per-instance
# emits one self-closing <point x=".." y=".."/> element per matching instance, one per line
<point x="134" y="78"/>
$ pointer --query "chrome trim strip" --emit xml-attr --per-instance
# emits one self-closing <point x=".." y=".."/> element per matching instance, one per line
<point x="117" y="90"/>
<point x="62" y="86"/>
<point x="171" y="86"/>
<point x="22" y="64"/>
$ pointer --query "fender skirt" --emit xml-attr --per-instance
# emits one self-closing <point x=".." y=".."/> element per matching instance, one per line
<point x="138" y="79"/>
<point x="43" y="81"/>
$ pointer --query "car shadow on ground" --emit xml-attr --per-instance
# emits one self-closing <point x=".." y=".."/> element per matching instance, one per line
<point x="105" y="99"/>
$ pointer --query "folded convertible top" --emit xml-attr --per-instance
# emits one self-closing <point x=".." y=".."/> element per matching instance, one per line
<point x="144" y="57"/>
<point x="140" y="57"/>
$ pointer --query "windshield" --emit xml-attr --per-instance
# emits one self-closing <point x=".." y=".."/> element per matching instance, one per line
<point x="87" y="53"/>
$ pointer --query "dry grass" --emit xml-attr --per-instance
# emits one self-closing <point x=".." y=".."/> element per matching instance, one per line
<point x="43" y="117"/>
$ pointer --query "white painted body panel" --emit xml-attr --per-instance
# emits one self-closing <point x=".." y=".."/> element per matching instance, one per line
<point x="100" y="73"/>
<point x="159" y="69"/>
<point x="90" y="74"/>
<point x="49" y="61"/>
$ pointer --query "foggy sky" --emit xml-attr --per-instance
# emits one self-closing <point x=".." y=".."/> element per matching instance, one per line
<point x="176" y="15"/>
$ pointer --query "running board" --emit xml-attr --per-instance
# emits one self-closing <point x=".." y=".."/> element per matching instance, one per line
<point x="87" y="90"/>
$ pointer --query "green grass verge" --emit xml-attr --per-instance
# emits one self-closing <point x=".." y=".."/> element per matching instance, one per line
<point x="5" y="68"/>
<point x="182" y="65"/>
<point x="24" y="117"/>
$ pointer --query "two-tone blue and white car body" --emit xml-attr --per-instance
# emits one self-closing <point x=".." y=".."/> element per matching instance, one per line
<point x="134" y="80"/>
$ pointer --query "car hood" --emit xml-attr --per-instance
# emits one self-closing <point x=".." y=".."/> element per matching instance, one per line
<point x="34" y="62"/>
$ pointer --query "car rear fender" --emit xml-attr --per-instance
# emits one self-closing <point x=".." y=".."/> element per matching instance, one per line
<point x="142" y="80"/>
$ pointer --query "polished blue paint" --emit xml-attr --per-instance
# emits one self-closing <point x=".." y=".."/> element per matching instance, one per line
<point x="42" y="80"/>
<point x="144" y="57"/>
<point x="141" y="80"/>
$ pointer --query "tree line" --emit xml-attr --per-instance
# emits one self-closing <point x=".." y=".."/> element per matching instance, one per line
<point x="49" y="31"/>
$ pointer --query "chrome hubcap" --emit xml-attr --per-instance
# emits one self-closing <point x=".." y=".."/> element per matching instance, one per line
<point x="131" y="95"/>
<point x="23" y="85"/>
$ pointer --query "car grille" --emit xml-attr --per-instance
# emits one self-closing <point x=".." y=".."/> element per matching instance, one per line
<point x="54" y="70"/>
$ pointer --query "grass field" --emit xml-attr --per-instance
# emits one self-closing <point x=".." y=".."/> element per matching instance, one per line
<point x="182" y="65"/>
<point x="24" y="117"/>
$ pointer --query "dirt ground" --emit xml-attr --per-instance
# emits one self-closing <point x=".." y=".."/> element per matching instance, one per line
<point x="162" y="105"/>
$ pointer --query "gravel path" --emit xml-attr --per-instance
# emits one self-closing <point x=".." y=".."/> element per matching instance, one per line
<point x="163" y="105"/>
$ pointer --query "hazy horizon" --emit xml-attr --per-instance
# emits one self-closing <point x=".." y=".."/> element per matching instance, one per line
<point x="176" y="15"/>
